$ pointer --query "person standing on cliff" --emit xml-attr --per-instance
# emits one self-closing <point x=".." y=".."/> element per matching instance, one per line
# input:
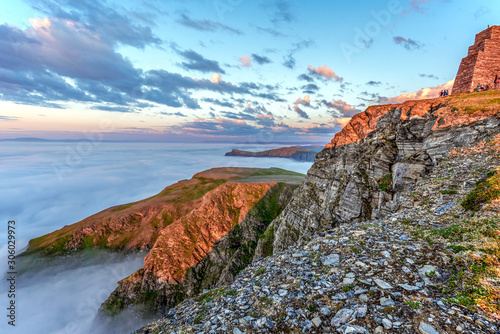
<point x="497" y="81"/>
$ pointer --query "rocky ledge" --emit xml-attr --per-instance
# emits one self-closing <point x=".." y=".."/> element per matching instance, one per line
<point x="430" y="267"/>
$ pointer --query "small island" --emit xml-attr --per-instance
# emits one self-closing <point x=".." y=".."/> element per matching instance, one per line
<point x="299" y="153"/>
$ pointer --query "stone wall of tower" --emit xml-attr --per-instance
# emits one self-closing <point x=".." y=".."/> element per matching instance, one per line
<point x="482" y="62"/>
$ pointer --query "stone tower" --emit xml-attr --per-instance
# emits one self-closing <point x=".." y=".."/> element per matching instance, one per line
<point x="481" y="64"/>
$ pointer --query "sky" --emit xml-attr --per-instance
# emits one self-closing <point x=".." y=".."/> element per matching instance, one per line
<point x="222" y="70"/>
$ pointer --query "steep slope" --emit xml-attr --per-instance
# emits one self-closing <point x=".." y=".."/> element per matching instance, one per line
<point x="173" y="272"/>
<point x="136" y="225"/>
<point x="430" y="266"/>
<point x="378" y="155"/>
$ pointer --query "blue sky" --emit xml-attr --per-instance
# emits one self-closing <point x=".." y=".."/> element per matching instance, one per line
<point x="222" y="70"/>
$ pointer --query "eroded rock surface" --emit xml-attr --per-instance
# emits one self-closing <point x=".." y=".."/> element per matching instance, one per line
<point x="380" y="154"/>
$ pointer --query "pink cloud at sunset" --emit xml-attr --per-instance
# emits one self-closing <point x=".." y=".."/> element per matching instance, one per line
<point x="325" y="72"/>
<point x="424" y="93"/>
<point x="245" y="61"/>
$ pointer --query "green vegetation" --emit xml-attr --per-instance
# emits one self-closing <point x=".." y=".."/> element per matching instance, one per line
<point x="265" y="300"/>
<point x="413" y="304"/>
<point x="191" y="193"/>
<point x="477" y="243"/>
<point x="267" y="239"/>
<point x="448" y="192"/>
<point x="311" y="308"/>
<point x="260" y="271"/>
<point x="370" y="225"/>
<point x="484" y="192"/>
<point x="385" y="182"/>
<point x="275" y="171"/>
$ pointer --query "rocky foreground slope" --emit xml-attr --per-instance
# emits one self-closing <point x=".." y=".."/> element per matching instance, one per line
<point x="378" y="155"/>
<point x="395" y="229"/>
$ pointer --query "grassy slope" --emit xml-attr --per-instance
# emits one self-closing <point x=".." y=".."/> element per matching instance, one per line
<point x="138" y="231"/>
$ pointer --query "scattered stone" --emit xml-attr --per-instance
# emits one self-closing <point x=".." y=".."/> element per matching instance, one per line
<point x="387" y="301"/>
<point x="341" y="317"/>
<point x="444" y="208"/>
<point x="367" y="292"/>
<point x="387" y="323"/>
<point x="408" y="287"/>
<point x="381" y="284"/>
<point x="427" y="329"/>
<point x="331" y="260"/>
<point x="236" y="330"/>
<point x="316" y="321"/>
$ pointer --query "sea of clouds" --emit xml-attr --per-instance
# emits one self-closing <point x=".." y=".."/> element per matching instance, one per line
<point x="46" y="185"/>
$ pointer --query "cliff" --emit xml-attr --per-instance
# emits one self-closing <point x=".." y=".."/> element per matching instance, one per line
<point x="378" y="155"/>
<point x="137" y="226"/>
<point x="170" y="276"/>
<point x="394" y="230"/>
<point x="180" y="227"/>
<point x="293" y="152"/>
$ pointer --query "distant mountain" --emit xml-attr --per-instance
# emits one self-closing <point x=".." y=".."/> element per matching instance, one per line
<point x="300" y="153"/>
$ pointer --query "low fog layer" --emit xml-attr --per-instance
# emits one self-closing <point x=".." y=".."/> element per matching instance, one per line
<point x="63" y="297"/>
<point x="48" y="185"/>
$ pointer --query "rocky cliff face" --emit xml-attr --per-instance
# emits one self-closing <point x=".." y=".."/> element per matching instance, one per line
<point x="196" y="253"/>
<point x="378" y="155"/>
<point x="180" y="227"/>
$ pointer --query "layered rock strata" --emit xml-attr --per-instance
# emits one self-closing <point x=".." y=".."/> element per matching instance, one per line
<point x="377" y="156"/>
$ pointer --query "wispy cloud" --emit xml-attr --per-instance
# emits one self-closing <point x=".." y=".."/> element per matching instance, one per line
<point x="430" y="76"/>
<point x="271" y="31"/>
<point x="222" y="103"/>
<point x="289" y="59"/>
<point x="281" y="12"/>
<point x="179" y="114"/>
<point x="261" y="60"/>
<point x="310" y="88"/>
<point x="101" y="19"/>
<point x="340" y="108"/>
<point x="199" y="63"/>
<point x="206" y="25"/>
<point x="407" y="43"/>
<point x="8" y="118"/>
<point x="374" y="83"/>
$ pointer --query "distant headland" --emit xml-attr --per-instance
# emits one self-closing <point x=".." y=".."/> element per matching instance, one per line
<point x="299" y="153"/>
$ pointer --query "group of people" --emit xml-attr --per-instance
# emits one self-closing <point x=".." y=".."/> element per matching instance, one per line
<point x="444" y="93"/>
<point x="481" y="88"/>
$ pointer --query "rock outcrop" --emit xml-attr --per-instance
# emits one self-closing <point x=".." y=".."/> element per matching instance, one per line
<point x="377" y="156"/>
<point x="432" y="266"/>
